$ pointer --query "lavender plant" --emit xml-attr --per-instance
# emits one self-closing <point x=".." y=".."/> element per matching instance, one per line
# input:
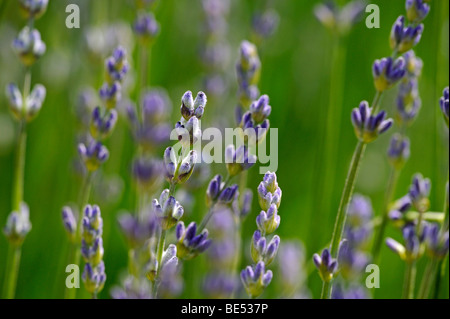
<point x="369" y="124"/>
<point x="255" y="278"/>
<point x="408" y="105"/>
<point x="92" y="152"/>
<point x="24" y="106"/>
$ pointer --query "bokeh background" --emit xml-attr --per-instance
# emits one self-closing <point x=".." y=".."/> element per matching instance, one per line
<point x="296" y="63"/>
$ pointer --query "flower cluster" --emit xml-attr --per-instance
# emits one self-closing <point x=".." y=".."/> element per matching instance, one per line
<point x="404" y="38"/>
<point x="94" y="276"/>
<point x="369" y="126"/>
<point x="254" y="122"/>
<point x="387" y="72"/>
<point x="255" y="278"/>
<point x="189" y="243"/>
<point x="399" y="150"/>
<point x="264" y="24"/>
<point x="146" y="27"/>
<point x="339" y="20"/>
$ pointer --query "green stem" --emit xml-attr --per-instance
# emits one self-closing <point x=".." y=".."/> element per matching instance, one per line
<point x="427" y="279"/>
<point x="326" y="290"/>
<point x="376" y="102"/>
<point x="342" y="211"/>
<point x="160" y="249"/>
<point x="334" y="122"/>
<point x="12" y="271"/>
<point x="161" y="243"/>
<point x="238" y="247"/>
<point x="410" y="279"/>
<point x="392" y="182"/>
<point x="13" y="261"/>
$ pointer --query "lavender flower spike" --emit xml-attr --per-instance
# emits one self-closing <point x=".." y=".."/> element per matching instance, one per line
<point x="417" y="10"/>
<point x="94" y="276"/>
<point x="369" y="126"/>
<point x="444" y="103"/>
<point x="399" y="150"/>
<point x="189" y="244"/>
<point x="116" y="65"/>
<point x="419" y="192"/>
<point x="256" y="279"/>
<point x="268" y="191"/>
<point x="404" y="38"/>
<point x="326" y="265"/>
<point x="387" y="72"/>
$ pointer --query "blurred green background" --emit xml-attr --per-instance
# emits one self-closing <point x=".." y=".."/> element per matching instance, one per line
<point x="295" y="74"/>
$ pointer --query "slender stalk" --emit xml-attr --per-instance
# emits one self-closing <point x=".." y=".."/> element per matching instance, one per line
<point x="334" y="122"/>
<point x="392" y="182"/>
<point x="342" y="211"/>
<point x="326" y="290"/>
<point x="427" y="279"/>
<point x="410" y="278"/>
<point x="161" y="243"/>
<point x="238" y="247"/>
<point x="12" y="272"/>
<point x="160" y="250"/>
<point x="13" y="261"/>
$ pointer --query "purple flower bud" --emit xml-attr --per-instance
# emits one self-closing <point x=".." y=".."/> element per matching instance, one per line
<point x="419" y="192"/>
<point x="33" y="9"/>
<point x="228" y="194"/>
<point x="404" y="38"/>
<point x="189" y="243"/>
<point x="29" y="46"/>
<point x="146" y="27"/>
<point x="255" y="279"/>
<point x="399" y="150"/>
<point x="18" y="225"/>
<point x="444" y="103"/>
<point x="387" y="72"/>
<point x="93" y="155"/>
<point x="116" y="65"/>
<point x="102" y="125"/>
<point x="110" y="94"/>
<point x="326" y="265"/>
<point x="265" y="24"/>
<point x="238" y="160"/>
<point x="369" y="126"/>
<point x="417" y="10"/>
<point x="69" y="222"/>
